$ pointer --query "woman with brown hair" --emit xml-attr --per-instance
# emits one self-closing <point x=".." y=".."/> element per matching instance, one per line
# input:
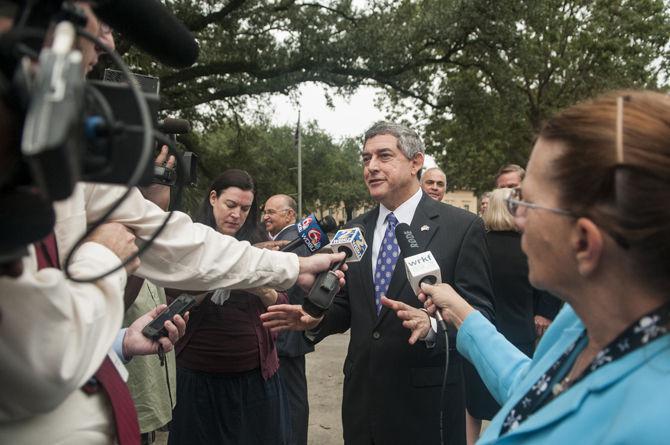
<point x="228" y="388"/>
<point x="593" y="210"/>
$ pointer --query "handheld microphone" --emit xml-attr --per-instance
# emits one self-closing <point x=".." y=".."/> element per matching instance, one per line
<point x="311" y="234"/>
<point x="171" y="125"/>
<point x="420" y="265"/>
<point x="352" y="243"/>
<point x="152" y="27"/>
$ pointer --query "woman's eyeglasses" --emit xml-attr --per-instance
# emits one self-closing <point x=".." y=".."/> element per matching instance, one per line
<point x="515" y="201"/>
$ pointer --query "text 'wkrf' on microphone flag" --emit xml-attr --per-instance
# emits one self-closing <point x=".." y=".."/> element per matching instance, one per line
<point x="420" y="266"/>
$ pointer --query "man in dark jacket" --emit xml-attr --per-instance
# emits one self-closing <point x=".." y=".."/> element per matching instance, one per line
<point x="391" y="388"/>
<point x="279" y="217"/>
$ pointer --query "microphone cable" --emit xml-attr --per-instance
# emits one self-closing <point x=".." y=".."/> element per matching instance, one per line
<point x="444" y="382"/>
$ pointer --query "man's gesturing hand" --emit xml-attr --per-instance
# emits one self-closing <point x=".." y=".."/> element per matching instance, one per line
<point x="288" y="317"/>
<point x="416" y="320"/>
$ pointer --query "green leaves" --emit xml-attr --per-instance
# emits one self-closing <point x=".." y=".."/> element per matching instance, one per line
<point x="332" y="172"/>
<point x="480" y="76"/>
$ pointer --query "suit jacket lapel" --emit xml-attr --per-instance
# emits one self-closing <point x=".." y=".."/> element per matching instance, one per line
<point x="425" y="223"/>
<point x="365" y="275"/>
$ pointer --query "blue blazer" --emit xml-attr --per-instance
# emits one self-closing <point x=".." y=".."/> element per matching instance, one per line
<point x="624" y="402"/>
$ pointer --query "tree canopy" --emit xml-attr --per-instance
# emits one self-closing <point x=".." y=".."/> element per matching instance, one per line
<point x="332" y="172"/>
<point x="477" y="76"/>
<point x="523" y="62"/>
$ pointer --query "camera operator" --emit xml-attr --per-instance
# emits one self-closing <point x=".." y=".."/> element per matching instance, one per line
<point x="55" y="333"/>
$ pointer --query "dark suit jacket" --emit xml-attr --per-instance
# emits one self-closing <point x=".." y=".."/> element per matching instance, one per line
<point x="516" y="300"/>
<point x="292" y="343"/>
<point x="392" y="389"/>
<point x="515" y="296"/>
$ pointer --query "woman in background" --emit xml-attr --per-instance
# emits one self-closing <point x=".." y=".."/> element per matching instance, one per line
<point x="228" y="388"/>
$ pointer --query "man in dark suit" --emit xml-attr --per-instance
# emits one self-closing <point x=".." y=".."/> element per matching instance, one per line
<point x="391" y="388"/>
<point x="279" y="217"/>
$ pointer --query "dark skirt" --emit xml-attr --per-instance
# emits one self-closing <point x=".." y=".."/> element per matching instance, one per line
<point x="478" y="400"/>
<point x="214" y="408"/>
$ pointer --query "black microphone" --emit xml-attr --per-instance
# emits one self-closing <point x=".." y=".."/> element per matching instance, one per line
<point x="174" y="126"/>
<point x="329" y="224"/>
<point x="311" y="233"/>
<point x="152" y="27"/>
<point x="327" y="284"/>
<point x="420" y="265"/>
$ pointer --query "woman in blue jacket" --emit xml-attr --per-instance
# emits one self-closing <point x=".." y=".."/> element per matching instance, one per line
<point x="594" y="213"/>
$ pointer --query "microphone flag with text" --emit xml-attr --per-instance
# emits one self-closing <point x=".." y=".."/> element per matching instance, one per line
<point x="420" y="265"/>
<point x="350" y="241"/>
<point x="311" y="234"/>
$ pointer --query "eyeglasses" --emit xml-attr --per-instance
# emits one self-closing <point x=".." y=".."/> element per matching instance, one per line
<point x="272" y="212"/>
<point x="515" y="201"/>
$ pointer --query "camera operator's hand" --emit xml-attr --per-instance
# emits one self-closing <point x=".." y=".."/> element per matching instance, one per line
<point x="159" y="194"/>
<point x="120" y="240"/>
<point x="135" y="343"/>
<point x="310" y="266"/>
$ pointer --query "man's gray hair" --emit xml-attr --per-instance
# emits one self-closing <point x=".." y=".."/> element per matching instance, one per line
<point x="409" y="141"/>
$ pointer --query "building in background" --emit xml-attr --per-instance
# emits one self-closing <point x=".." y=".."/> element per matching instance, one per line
<point x="463" y="199"/>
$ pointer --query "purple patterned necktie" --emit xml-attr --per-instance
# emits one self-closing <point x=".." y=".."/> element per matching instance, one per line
<point x="386" y="259"/>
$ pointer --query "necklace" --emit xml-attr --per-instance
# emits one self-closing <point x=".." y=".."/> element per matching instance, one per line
<point x="574" y="373"/>
<point x="647" y="328"/>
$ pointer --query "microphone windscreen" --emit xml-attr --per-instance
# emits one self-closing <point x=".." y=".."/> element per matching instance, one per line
<point x="152" y="27"/>
<point x="174" y="126"/>
<point x="406" y="240"/>
<point x="328" y="224"/>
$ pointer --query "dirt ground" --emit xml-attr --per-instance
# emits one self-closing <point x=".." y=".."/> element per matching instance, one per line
<point x="324" y="381"/>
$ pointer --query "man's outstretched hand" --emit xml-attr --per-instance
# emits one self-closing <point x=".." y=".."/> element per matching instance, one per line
<point x="288" y="317"/>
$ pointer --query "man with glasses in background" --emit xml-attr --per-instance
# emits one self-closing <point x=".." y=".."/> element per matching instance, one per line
<point x="280" y="213"/>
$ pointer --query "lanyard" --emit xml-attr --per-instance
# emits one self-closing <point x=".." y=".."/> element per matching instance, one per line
<point x="552" y="383"/>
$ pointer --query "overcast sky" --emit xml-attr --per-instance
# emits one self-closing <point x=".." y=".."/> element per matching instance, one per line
<point x="349" y="117"/>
